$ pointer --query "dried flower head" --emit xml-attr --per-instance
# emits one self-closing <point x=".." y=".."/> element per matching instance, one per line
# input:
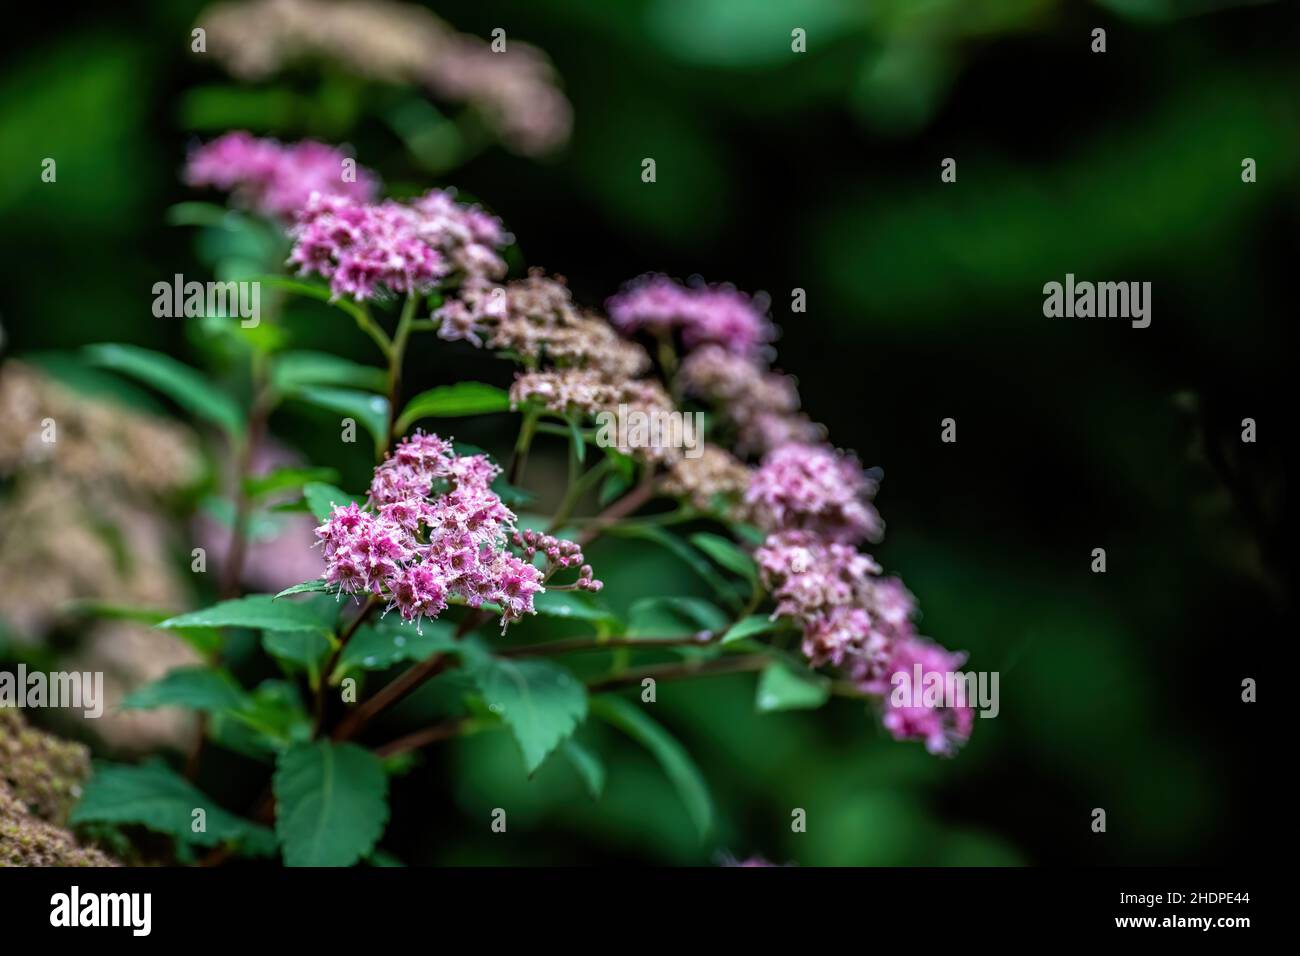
<point x="515" y="91"/>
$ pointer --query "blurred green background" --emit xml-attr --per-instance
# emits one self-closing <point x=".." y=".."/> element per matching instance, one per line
<point x="820" y="171"/>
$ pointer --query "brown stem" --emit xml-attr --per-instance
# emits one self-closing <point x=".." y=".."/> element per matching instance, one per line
<point x="663" y="672"/>
<point x="596" y="644"/>
<point x="372" y="602"/>
<point x="620" y="509"/>
<point x="421" y="738"/>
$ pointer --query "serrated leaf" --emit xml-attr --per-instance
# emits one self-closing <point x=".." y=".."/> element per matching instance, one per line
<point x="321" y="499"/>
<point x="293" y="370"/>
<point x="369" y="411"/>
<point x="783" y="688"/>
<point x="376" y="647"/>
<point x="541" y="702"/>
<point x="287" y="479"/>
<point x="751" y="626"/>
<point x="157" y="797"/>
<point x="588" y="765"/>
<point x="454" y="401"/>
<point x="668" y="616"/>
<point x="727" y="554"/>
<point x="331" y="803"/>
<point x="185" y="386"/>
<point x="194" y="688"/>
<point x="259" y="611"/>
<point x="672" y="756"/>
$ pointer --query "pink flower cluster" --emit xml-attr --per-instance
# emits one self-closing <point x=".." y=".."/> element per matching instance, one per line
<point x="432" y="531"/>
<point x="814" y="502"/>
<point x="277" y="179"/>
<point x="818" y="489"/>
<point x="704" y="314"/>
<point x="366" y="250"/>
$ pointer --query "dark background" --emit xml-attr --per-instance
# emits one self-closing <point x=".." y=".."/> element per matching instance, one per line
<point x="821" y="171"/>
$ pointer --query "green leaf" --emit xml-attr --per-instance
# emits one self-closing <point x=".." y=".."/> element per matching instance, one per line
<point x="194" y="688"/>
<point x="285" y="479"/>
<point x="297" y="649"/>
<point x="156" y="797"/>
<point x="454" y="401"/>
<point x="575" y="605"/>
<point x="271" y="719"/>
<point x="370" y="411"/>
<point x="588" y="765"/>
<point x="751" y="626"/>
<point x="205" y="640"/>
<point x="577" y="444"/>
<point x="255" y="611"/>
<point x="331" y="803"/>
<point x="672" y="756"/>
<point x="668" y="616"/>
<point x="307" y="587"/>
<point x="681" y="549"/>
<point x="613" y="488"/>
<point x="726" y="553"/>
<point x="376" y="647"/>
<point x="321" y="499"/>
<point x="782" y="687"/>
<point x="541" y="702"/>
<point x="184" y="385"/>
<point x="293" y="370"/>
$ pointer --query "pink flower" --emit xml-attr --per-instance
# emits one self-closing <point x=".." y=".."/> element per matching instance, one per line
<point x="440" y="534"/>
<point x="907" y="715"/>
<point x="815" y="488"/>
<point x="717" y="314"/>
<point x="276" y="179"/>
<point x="364" y="250"/>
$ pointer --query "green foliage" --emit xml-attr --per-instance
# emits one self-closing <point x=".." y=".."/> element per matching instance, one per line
<point x="321" y="499"/>
<point x="671" y="616"/>
<point x="292" y="371"/>
<point x="368" y="410"/>
<point x="194" y="688"/>
<point x="588" y="766"/>
<point x="726" y="553"/>
<point x="541" y="702"/>
<point x="156" y="797"/>
<point x="782" y="686"/>
<point x="453" y="401"/>
<point x="182" y="384"/>
<point x="752" y="626"/>
<point x="261" y="611"/>
<point x="287" y="479"/>
<point x="670" y="754"/>
<point x="331" y="803"/>
<point x="376" y="647"/>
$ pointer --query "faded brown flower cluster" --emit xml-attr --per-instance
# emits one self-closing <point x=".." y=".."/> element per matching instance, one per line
<point x="515" y="90"/>
<point x="80" y="487"/>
